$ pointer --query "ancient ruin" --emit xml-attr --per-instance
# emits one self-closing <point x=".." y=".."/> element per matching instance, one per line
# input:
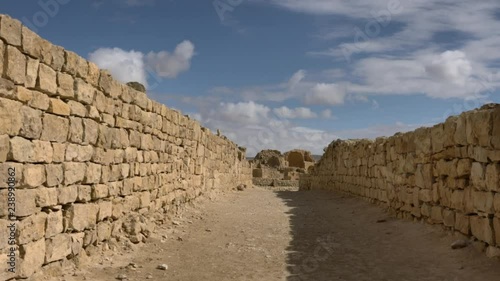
<point x="271" y="168"/>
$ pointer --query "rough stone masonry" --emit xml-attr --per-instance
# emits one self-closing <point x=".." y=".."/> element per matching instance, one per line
<point x="90" y="152"/>
<point x="448" y="174"/>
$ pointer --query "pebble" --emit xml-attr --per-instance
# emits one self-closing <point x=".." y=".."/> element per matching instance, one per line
<point x="149" y="276"/>
<point x="162" y="266"/>
<point x="121" y="277"/>
<point x="459" y="244"/>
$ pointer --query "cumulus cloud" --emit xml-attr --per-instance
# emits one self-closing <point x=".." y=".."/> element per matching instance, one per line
<point x="450" y="66"/>
<point x="327" y="114"/>
<point x="133" y="65"/>
<point x="170" y="65"/>
<point x="125" y="66"/>
<point x="296" y="113"/>
<point x="326" y="94"/>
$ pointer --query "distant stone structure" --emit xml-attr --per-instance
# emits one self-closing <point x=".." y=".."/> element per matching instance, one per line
<point x="272" y="168"/>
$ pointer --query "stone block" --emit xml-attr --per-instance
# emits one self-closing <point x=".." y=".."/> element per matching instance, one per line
<point x="33" y="176"/>
<point x="57" y="247"/>
<point x="91" y="129"/>
<point x="39" y="101"/>
<point x="32" y="43"/>
<point x="478" y="176"/>
<point x="79" y="153"/>
<point x="47" y="80"/>
<point x="66" y="85"/>
<point x="54" y="224"/>
<point x="31" y="228"/>
<point x="462" y="223"/>
<point x="32" y="258"/>
<point x="55" y="128"/>
<point x="496" y="225"/>
<point x="84" y="92"/>
<point x="21" y="150"/>
<point x="493" y="177"/>
<point x="105" y="210"/>
<point x="46" y="197"/>
<point x="32" y="69"/>
<point x="32" y="122"/>
<point x="4" y="147"/>
<point x="25" y="202"/>
<point x="58" y="107"/>
<point x="15" y="66"/>
<point x="482" y="229"/>
<point x="77" y="109"/>
<point x="100" y="191"/>
<point x="84" y="193"/>
<point x="74" y="172"/>
<point x="9" y="114"/>
<point x="82" y="216"/>
<point x="8" y="88"/>
<point x="55" y="175"/>
<point x="59" y="152"/>
<point x="10" y="30"/>
<point x="93" y="174"/>
<point x="76" y="130"/>
<point x="93" y="74"/>
<point x="67" y="194"/>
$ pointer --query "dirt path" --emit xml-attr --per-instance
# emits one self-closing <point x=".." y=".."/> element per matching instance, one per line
<point x="263" y="235"/>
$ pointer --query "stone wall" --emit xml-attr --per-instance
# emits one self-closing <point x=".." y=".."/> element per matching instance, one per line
<point x="447" y="174"/>
<point x="88" y="152"/>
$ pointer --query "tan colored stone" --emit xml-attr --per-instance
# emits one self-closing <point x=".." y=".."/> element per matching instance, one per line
<point x="42" y="152"/>
<point x="71" y="63"/>
<point x="478" y="176"/>
<point x="103" y="231"/>
<point x="66" y="85"/>
<point x="4" y="147"/>
<point x="32" y="258"/>
<point x="2" y="56"/>
<point x="105" y="210"/>
<point x="483" y="201"/>
<point x="59" y="152"/>
<point x="25" y="202"/>
<point x="93" y="174"/>
<point x="91" y="131"/>
<point x="31" y="228"/>
<point x="57" y="247"/>
<point x="10" y="30"/>
<point x="39" y="101"/>
<point x="32" y="43"/>
<point x="58" y="107"/>
<point x="99" y="191"/>
<point x="54" y="128"/>
<point x="77" y="109"/>
<point x="462" y="223"/>
<point x="46" y="197"/>
<point x="7" y="88"/>
<point x="84" y="193"/>
<point x="33" y="176"/>
<point x="57" y="56"/>
<point x="55" y="174"/>
<point x="32" y="68"/>
<point x="54" y="224"/>
<point x="84" y="92"/>
<point x="9" y="114"/>
<point x="93" y="74"/>
<point x="495" y="135"/>
<point x="82" y="216"/>
<point x="47" y="80"/>
<point x="67" y="194"/>
<point x="493" y="177"/>
<point x="74" y="172"/>
<point x="32" y="122"/>
<point x="79" y="153"/>
<point x="21" y="150"/>
<point x="24" y="95"/>
<point x="482" y="229"/>
<point x="496" y="225"/>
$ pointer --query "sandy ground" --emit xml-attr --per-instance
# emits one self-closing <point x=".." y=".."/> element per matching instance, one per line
<point x="261" y="235"/>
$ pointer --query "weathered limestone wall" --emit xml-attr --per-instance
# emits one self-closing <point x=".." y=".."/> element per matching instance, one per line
<point x="88" y="152"/>
<point x="448" y="174"/>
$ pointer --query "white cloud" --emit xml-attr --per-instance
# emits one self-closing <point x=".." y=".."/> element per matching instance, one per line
<point x="297" y="113"/>
<point x="327" y="114"/>
<point x="126" y="66"/>
<point x="326" y="94"/>
<point x="450" y="66"/>
<point x="170" y="65"/>
<point x="296" y="78"/>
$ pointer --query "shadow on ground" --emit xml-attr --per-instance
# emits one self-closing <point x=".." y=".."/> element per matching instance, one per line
<point x="338" y="237"/>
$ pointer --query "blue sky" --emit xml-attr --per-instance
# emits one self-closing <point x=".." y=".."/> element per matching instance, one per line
<point x="284" y="74"/>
